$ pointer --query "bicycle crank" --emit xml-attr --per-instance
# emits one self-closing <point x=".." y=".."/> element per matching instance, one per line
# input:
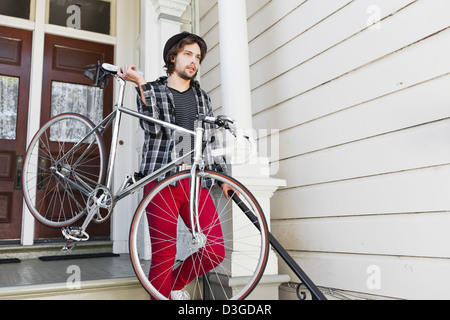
<point x="101" y="198"/>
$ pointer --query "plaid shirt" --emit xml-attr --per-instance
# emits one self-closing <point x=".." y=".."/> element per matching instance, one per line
<point x="159" y="143"/>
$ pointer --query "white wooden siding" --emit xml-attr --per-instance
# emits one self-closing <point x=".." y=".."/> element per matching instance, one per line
<point x="364" y="128"/>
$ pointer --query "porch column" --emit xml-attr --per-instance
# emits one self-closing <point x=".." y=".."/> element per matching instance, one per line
<point x="161" y="20"/>
<point x="236" y="103"/>
<point x="28" y="221"/>
<point x="234" y="61"/>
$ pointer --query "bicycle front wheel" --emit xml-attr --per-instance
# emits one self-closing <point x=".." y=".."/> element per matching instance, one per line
<point x="60" y="170"/>
<point x="225" y="262"/>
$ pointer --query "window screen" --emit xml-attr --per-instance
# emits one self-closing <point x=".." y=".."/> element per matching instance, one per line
<point x="15" y="8"/>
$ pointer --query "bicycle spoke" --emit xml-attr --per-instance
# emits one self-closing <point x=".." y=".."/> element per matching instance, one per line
<point x="240" y="238"/>
<point x="52" y="187"/>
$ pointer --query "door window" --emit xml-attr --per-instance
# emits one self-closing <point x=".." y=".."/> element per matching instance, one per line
<point x="9" y="94"/>
<point x="75" y="98"/>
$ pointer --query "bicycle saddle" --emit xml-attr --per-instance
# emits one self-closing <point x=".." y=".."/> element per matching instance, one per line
<point x="110" y="68"/>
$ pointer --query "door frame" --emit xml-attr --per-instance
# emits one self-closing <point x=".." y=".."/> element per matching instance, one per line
<point x="129" y="49"/>
<point x="18" y="69"/>
<point x="64" y="61"/>
<point x="40" y="29"/>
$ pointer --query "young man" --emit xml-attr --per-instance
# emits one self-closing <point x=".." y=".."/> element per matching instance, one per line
<point x="177" y="99"/>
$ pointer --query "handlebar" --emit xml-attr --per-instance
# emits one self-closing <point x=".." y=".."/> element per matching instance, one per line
<point x="226" y="122"/>
<point x="233" y="127"/>
<point x="220" y="121"/>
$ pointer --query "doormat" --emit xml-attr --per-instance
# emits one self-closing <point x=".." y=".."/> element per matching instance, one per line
<point x="79" y="256"/>
<point x="4" y="261"/>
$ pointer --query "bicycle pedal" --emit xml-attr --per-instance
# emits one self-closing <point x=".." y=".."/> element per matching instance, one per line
<point x="69" y="246"/>
<point x="74" y="233"/>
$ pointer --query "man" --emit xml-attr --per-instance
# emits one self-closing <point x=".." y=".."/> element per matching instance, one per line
<point x="177" y="99"/>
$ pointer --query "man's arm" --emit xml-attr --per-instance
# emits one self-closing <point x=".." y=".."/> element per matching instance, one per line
<point x="146" y="105"/>
<point x="129" y="73"/>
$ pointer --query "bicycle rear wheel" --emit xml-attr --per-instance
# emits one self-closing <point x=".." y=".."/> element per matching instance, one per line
<point x="56" y="190"/>
<point x="245" y="240"/>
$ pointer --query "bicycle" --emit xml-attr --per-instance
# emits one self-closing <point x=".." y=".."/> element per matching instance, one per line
<point x="67" y="175"/>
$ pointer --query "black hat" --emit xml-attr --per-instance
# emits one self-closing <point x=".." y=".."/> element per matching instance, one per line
<point x="172" y="42"/>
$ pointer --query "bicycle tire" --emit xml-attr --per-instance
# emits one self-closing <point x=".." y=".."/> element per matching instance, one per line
<point x="52" y="200"/>
<point x="244" y="270"/>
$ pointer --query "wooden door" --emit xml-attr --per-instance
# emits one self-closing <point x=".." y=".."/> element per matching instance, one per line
<point x="15" y="66"/>
<point x="66" y="89"/>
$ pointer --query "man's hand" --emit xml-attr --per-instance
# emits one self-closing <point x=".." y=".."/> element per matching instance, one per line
<point x="226" y="188"/>
<point x="129" y="73"/>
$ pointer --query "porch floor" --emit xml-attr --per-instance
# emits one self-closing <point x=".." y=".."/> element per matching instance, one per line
<point x="106" y="278"/>
<point x="37" y="272"/>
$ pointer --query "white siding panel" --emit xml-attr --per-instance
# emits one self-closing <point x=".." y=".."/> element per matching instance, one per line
<point x="209" y="20"/>
<point x="210" y="68"/>
<point x="211" y="79"/>
<point x="216" y="98"/>
<point x="205" y="7"/>
<point x="358" y="50"/>
<point x="424" y="190"/>
<point x="421" y="235"/>
<point x="254" y="5"/>
<point x="212" y="61"/>
<point x="270" y="15"/>
<point x="380" y="77"/>
<point x="364" y="120"/>
<point x="386" y="76"/>
<point x="212" y="37"/>
<point x="295" y="23"/>
<point x="311" y="38"/>
<point x="400" y="277"/>
<point x="421" y="104"/>
<point x="209" y="31"/>
<point x="413" y="148"/>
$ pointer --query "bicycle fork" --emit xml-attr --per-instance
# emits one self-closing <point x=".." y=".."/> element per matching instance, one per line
<point x="198" y="237"/>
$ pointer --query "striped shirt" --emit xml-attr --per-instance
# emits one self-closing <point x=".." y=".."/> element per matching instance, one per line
<point x="185" y="116"/>
<point x="158" y="140"/>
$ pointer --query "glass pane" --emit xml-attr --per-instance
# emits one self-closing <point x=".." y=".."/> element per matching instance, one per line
<point x="9" y="96"/>
<point x="75" y="98"/>
<point x="89" y="15"/>
<point x="16" y="8"/>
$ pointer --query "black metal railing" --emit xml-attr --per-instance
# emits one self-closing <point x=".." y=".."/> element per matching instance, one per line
<point x="316" y="294"/>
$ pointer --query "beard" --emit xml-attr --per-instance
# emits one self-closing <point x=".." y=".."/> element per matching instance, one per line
<point x="185" y="75"/>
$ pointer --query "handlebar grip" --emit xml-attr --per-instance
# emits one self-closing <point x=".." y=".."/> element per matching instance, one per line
<point x="220" y="121"/>
<point x="210" y="120"/>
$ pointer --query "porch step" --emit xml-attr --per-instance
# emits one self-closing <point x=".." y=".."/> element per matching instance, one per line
<point x="53" y="249"/>
<point x="109" y="278"/>
<point x="108" y="289"/>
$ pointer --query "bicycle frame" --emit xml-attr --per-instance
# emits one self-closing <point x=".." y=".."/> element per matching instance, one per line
<point x="115" y="118"/>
